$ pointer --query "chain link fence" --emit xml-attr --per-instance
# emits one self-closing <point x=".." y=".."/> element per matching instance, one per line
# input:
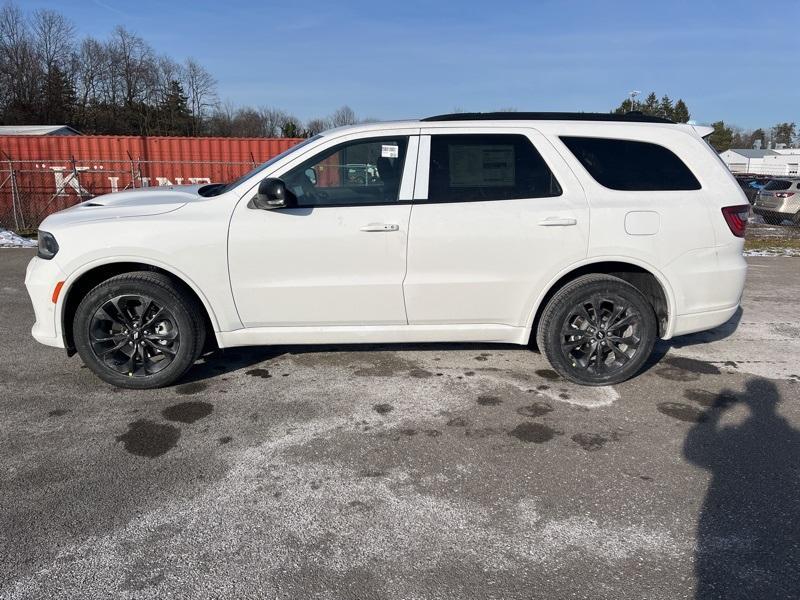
<point x="774" y="227"/>
<point x="30" y="190"/>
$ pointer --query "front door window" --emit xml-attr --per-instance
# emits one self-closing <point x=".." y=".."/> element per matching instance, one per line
<point x="361" y="172"/>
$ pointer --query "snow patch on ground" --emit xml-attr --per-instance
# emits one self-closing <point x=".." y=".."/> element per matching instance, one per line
<point x="9" y="239"/>
<point x="773" y="252"/>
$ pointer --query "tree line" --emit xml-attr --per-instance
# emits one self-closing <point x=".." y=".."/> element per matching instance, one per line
<point x="656" y="107"/>
<point x="724" y="136"/>
<point x="728" y="136"/>
<point x="121" y="86"/>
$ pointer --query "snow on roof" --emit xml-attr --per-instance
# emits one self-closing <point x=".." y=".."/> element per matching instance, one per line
<point x="752" y="152"/>
<point x="37" y="130"/>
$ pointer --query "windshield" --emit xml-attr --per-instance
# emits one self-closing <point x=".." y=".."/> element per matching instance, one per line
<point x="778" y="184"/>
<point x="217" y="188"/>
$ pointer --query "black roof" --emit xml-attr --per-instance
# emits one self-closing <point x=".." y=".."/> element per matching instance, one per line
<point x="629" y="117"/>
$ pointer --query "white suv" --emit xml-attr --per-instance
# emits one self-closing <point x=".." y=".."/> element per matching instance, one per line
<point x="589" y="235"/>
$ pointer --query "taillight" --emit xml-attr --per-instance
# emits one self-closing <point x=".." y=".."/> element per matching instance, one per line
<point x="736" y="218"/>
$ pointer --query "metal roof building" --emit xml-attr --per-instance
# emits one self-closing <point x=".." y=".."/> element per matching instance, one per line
<point x="745" y="160"/>
<point x="37" y="130"/>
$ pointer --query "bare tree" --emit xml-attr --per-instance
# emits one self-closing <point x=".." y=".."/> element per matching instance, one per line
<point x="315" y="126"/>
<point x="247" y="122"/>
<point x="220" y="123"/>
<point x="273" y="120"/>
<point x="343" y="116"/>
<point x="200" y="87"/>
<point x="54" y="38"/>
<point x="134" y="59"/>
<point x="19" y="69"/>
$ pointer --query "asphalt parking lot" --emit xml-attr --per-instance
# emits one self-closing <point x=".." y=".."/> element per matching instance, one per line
<point x="417" y="471"/>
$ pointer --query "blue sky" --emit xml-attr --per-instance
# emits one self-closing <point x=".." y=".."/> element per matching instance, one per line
<point x="730" y="59"/>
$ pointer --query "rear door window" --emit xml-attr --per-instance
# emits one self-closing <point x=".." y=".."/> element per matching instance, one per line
<point x="631" y="165"/>
<point x="471" y="167"/>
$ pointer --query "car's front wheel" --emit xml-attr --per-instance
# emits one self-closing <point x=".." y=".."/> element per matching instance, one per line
<point x="597" y="330"/>
<point x="138" y="330"/>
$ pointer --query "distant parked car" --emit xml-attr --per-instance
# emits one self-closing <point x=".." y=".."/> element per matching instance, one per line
<point x="751" y="185"/>
<point x="779" y="200"/>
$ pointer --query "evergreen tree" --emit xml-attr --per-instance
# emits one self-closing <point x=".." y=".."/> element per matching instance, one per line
<point x="650" y="106"/>
<point x="173" y="112"/>
<point x="57" y="98"/>
<point x="783" y="133"/>
<point x="680" y="113"/>
<point x="722" y="137"/>
<point x="627" y="106"/>
<point x="665" y="108"/>
<point x="290" y="129"/>
<point x="739" y="140"/>
<point x="654" y="107"/>
<point x="758" y="134"/>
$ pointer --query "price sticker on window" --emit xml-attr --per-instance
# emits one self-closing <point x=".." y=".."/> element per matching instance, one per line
<point x="389" y="151"/>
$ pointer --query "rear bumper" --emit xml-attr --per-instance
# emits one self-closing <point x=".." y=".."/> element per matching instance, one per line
<point x="41" y="278"/>
<point x="703" y="321"/>
<point x="708" y="286"/>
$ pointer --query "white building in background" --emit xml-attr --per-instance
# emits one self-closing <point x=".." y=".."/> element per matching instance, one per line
<point x="782" y="161"/>
<point x="745" y="160"/>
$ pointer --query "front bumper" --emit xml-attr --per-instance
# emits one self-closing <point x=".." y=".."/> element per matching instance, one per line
<point x="41" y="278"/>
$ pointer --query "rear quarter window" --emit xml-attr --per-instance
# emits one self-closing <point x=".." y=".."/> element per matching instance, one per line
<point x="629" y="165"/>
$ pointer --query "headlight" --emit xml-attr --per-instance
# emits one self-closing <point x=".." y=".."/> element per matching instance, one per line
<point x="48" y="246"/>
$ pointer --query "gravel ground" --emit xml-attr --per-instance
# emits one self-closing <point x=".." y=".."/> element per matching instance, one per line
<point x="417" y="471"/>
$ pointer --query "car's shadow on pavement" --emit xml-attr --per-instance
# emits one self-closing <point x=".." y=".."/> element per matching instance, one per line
<point x="663" y="347"/>
<point x="220" y="362"/>
<point x="748" y="531"/>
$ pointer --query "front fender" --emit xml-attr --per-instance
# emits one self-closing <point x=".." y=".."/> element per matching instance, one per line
<point x="87" y="267"/>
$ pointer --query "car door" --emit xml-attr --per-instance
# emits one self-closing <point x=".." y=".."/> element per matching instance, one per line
<point x="496" y="215"/>
<point x="339" y="257"/>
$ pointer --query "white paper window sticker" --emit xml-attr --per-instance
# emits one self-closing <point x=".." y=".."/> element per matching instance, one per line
<point x="389" y="151"/>
<point x="481" y="166"/>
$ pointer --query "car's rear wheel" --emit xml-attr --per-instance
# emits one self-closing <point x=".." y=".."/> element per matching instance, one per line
<point x="138" y="330"/>
<point x="597" y="330"/>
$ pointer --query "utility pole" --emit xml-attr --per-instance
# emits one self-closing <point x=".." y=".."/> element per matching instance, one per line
<point x="633" y="94"/>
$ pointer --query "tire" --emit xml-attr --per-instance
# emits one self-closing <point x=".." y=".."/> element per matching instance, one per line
<point x="570" y="339"/>
<point x="139" y="330"/>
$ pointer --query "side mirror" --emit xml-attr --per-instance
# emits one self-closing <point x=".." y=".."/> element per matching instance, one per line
<point x="272" y="194"/>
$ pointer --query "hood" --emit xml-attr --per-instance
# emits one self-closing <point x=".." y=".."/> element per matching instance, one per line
<point x="140" y="202"/>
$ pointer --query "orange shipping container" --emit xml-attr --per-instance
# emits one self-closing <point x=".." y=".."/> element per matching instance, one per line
<point x="52" y="173"/>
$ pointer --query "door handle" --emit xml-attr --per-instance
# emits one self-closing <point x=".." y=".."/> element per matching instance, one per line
<point x="558" y="222"/>
<point x="380" y="227"/>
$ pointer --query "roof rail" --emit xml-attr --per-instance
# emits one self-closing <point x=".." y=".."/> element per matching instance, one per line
<point x="628" y="117"/>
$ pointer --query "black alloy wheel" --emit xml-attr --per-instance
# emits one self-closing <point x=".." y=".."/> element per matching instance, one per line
<point x="139" y="330"/>
<point x="597" y="330"/>
<point x="134" y="335"/>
